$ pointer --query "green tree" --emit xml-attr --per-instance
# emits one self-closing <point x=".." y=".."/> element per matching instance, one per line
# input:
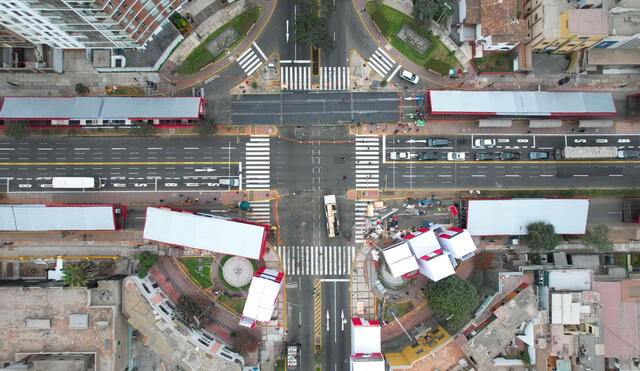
<point x="16" y="129"/>
<point x="205" y="127"/>
<point x="189" y="312"/>
<point x="452" y="299"/>
<point x="78" y="274"/>
<point x="426" y="10"/>
<point x="81" y="89"/>
<point x="598" y="238"/>
<point x="541" y="236"/>
<point x="146" y="261"/>
<point x="311" y="29"/>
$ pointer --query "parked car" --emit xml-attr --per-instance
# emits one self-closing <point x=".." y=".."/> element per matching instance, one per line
<point x="538" y="155"/>
<point x="484" y="156"/>
<point x="399" y="155"/>
<point x="484" y="142"/>
<point x="229" y="182"/>
<point x="428" y="156"/>
<point x="509" y="156"/>
<point x="456" y="156"/>
<point x="437" y="142"/>
<point x="628" y="153"/>
<point x="409" y="76"/>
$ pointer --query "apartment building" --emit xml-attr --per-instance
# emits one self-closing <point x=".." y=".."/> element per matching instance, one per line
<point x="93" y="24"/>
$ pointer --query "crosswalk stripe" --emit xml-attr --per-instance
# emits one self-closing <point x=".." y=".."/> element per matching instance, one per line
<point x="382" y="63"/>
<point x="317" y="260"/>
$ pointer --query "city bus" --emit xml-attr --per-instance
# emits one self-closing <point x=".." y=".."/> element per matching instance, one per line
<point x="77" y="182"/>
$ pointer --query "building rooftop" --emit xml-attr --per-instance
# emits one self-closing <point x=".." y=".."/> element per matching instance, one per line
<point x="551" y="11"/>
<point x="457" y="242"/>
<point x="620" y="303"/>
<point x="623" y="18"/>
<point x="53" y="218"/>
<point x="74" y="325"/>
<point x="499" y="19"/>
<point x="494" y="337"/>
<point x="588" y="22"/>
<point x="614" y="57"/>
<point x="399" y="259"/>
<point x="568" y="279"/>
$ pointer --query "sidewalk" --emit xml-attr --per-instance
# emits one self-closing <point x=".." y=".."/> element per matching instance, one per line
<point x="184" y="82"/>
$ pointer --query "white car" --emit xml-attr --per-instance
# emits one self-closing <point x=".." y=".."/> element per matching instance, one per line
<point x="399" y="155"/>
<point x="24" y="185"/>
<point x="409" y="76"/>
<point x="484" y="142"/>
<point x="213" y="185"/>
<point x="624" y="141"/>
<point x="456" y="156"/>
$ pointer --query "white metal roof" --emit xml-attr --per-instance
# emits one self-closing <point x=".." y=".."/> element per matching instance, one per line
<point x="368" y="364"/>
<point x="100" y="108"/>
<point x="511" y="217"/>
<point x="400" y="259"/>
<point x="436" y="268"/>
<point x="565" y="308"/>
<point x="424" y="243"/>
<point x="261" y="299"/>
<point x="520" y="103"/>
<point x="569" y="279"/>
<point x="365" y="338"/>
<point x="457" y="242"/>
<point x="56" y="218"/>
<point x="207" y="233"/>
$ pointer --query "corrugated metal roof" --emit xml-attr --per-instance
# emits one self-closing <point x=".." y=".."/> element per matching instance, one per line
<point x="99" y="108"/>
<point x="511" y="217"/>
<point x="67" y="218"/>
<point x="206" y="233"/>
<point x="520" y="103"/>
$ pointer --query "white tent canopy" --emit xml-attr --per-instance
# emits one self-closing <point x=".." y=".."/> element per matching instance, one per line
<point x="205" y="232"/>
<point x="56" y="218"/>
<point x="263" y="293"/>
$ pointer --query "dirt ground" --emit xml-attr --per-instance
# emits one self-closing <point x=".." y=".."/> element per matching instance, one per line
<point x="443" y="359"/>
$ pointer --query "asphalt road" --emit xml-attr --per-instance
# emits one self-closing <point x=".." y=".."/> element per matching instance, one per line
<point x="292" y="108"/>
<point x="300" y="326"/>
<point x="523" y="173"/>
<point x="336" y="328"/>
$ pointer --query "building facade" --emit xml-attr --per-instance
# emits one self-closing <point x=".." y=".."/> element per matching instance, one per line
<point x="87" y="24"/>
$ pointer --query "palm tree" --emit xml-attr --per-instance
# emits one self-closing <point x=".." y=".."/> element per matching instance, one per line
<point x="74" y="276"/>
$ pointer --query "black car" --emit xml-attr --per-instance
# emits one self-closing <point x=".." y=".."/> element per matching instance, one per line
<point x="509" y="156"/>
<point x="428" y="156"/>
<point x="536" y="155"/>
<point x="437" y="142"/>
<point x="484" y="156"/>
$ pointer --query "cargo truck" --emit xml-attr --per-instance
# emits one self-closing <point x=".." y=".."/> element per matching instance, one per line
<point x="331" y="212"/>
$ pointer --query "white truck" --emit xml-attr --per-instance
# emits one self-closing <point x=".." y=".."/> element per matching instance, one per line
<point x="331" y="212"/>
<point x="76" y="182"/>
<point x="293" y="354"/>
<point x="585" y="153"/>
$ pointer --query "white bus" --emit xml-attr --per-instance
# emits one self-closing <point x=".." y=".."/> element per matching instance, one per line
<point x="331" y="211"/>
<point x="77" y="182"/>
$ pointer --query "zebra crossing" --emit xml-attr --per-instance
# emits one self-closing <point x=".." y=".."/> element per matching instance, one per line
<point x="296" y="78"/>
<point x="257" y="163"/>
<point x="382" y="63"/>
<point x="367" y="161"/>
<point x="361" y="224"/>
<point x="334" y="78"/>
<point x="260" y="211"/>
<point x="316" y="260"/>
<point x="251" y="59"/>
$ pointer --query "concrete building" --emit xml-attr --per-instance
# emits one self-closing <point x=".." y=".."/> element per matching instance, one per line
<point x="55" y="328"/>
<point x="87" y="24"/>
<point x="624" y="26"/>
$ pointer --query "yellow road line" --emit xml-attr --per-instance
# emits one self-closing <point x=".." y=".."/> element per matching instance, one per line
<point x="118" y="163"/>
<point x="317" y="311"/>
<point x="517" y="162"/>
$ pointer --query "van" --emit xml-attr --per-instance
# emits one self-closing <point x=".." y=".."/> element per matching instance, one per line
<point x="232" y="182"/>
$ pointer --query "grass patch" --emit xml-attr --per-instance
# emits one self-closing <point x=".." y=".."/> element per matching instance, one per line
<point x="400" y="308"/>
<point x="125" y="91"/>
<point x="234" y="304"/>
<point x="199" y="270"/>
<point x="494" y="62"/>
<point x="200" y="56"/>
<point x="437" y="58"/>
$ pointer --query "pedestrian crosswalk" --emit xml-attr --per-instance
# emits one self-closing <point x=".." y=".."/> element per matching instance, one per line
<point x="382" y="63"/>
<point x="316" y="260"/>
<point x="257" y="163"/>
<point x="361" y="223"/>
<point x="260" y="211"/>
<point x="296" y="78"/>
<point x="367" y="161"/>
<point x="251" y="59"/>
<point x="334" y="78"/>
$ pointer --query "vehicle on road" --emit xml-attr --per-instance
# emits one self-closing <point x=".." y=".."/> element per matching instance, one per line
<point x="331" y="212"/>
<point x="213" y="185"/>
<point x="538" y="155"/>
<point x="624" y="140"/>
<point x="119" y="185"/>
<point x="293" y="356"/>
<point x="232" y="182"/>
<point x="409" y="76"/>
<point x="506" y="156"/>
<point x="628" y="153"/>
<point x="522" y="140"/>
<point x="564" y="80"/>
<point x="602" y="140"/>
<point x="428" y="156"/>
<point x="456" y="156"/>
<point x="437" y="142"/>
<point x="24" y="185"/>
<point x="399" y="155"/>
<point x="584" y="153"/>
<point x="484" y="156"/>
<point x="484" y="142"/>
<point x="77" y="182"/>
